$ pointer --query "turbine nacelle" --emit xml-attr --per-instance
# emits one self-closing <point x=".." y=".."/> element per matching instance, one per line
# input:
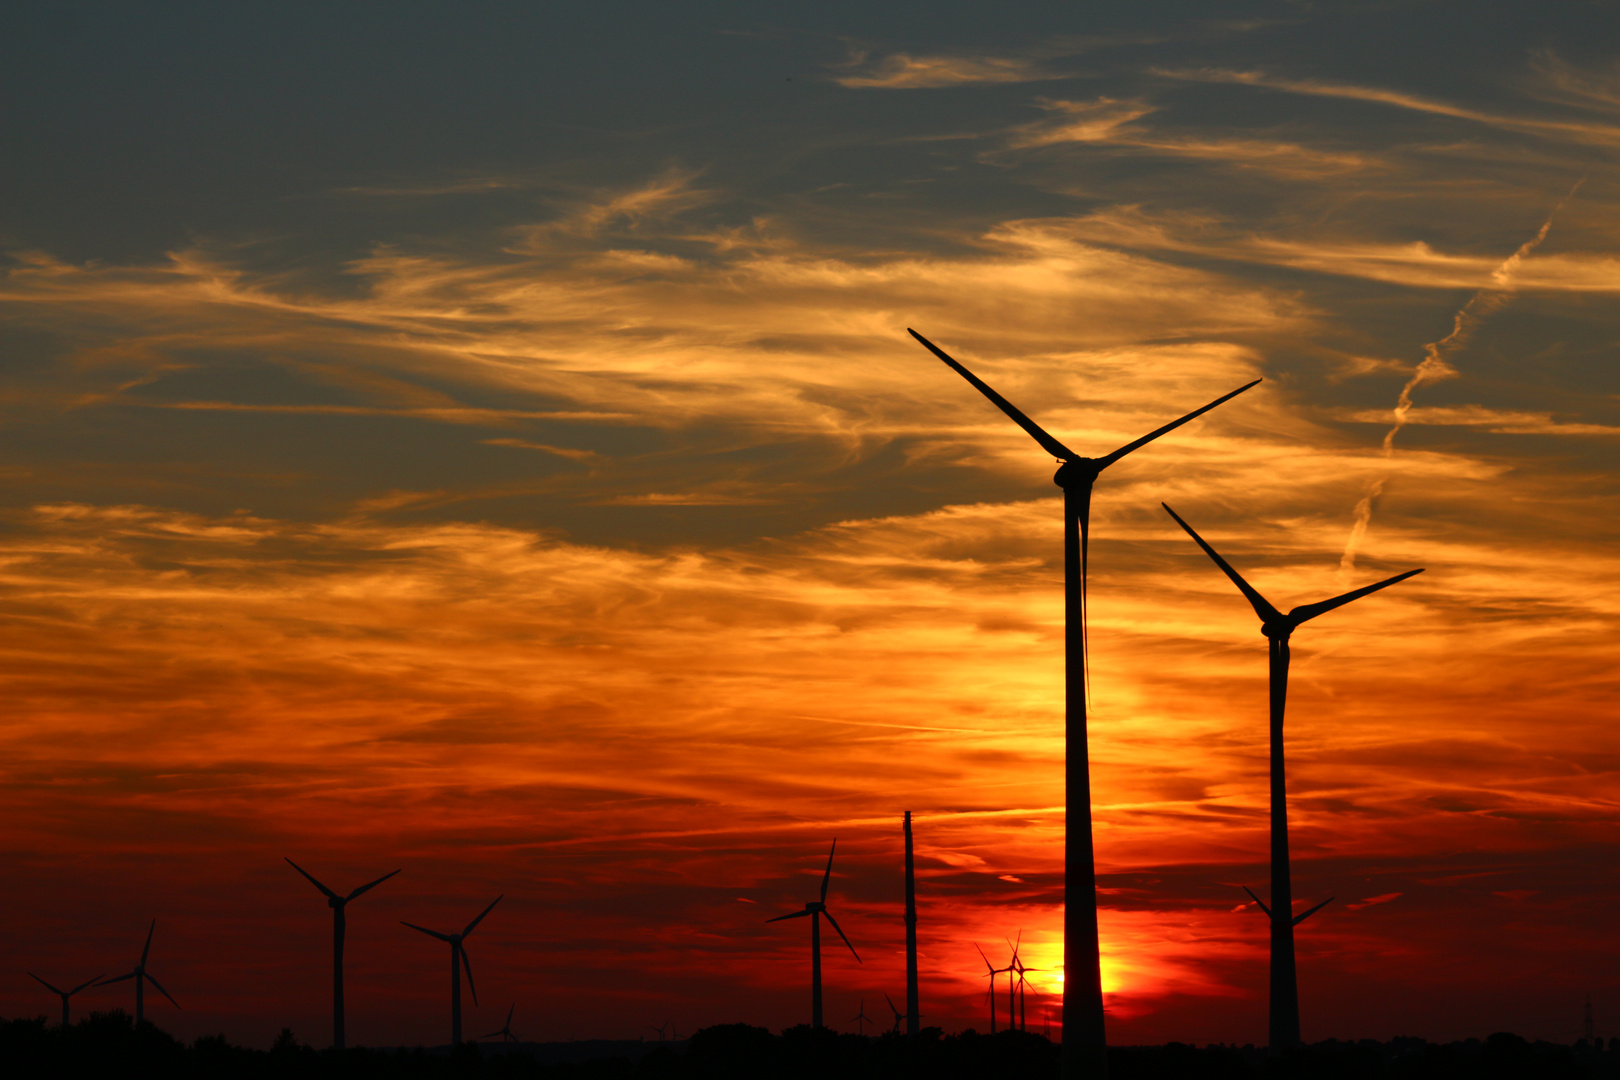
<point x="1078" y="472"/>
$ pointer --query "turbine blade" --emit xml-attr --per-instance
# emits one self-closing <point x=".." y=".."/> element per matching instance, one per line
<point x="1301" y="918"/>
<point x="795" y="915"/>
<point x="148" y="948"/>
<point x="1310" y="611"/>
<point x="162" y="991"/>
<point x="312" y="880"/>
<point x="986" y="960"/>
<point x="840" y="930"/>
<point x="1036" y="432"/>
<point x="425" y="930"/>
<point x="1104" y="462"/>
<point x="467" y="964"/>
<point x="1257" y="900"/>
<point x="890" y="1000"/>
<point x="367" y="887"/>
<point x="82" y="985"/>
<point x="49" y="987"/>
<point x="826" y="878"/>
<point x="492" y="1034"/>
<point x="1262" y="606"/>
<point x="481" y="914"/>
<point x="115" y="979"/>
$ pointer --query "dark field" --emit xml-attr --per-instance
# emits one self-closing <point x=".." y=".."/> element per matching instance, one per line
<point x="110" y="1044"/>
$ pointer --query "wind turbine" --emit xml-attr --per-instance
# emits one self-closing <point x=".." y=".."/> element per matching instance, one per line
<point x="506" y="1029"/>
<point x="1012" y="969"/>
<point x="1085" y="1038"/>
<point x="912" y="1004"/>
<point x="860" y="1019"/>
<point x="458" y="960"/>
<point x="898" y="1015"/>
<point x="815" y="909"/>
<point x="141" y="975"/>
<point x="65" y="994"/>
<point x="992" y="971"/>
<point x="339" y="924"/>
<point x="1278" y="628"/>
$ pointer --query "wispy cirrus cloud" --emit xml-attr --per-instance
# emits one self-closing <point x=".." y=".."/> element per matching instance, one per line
<point x="903" y="71"/>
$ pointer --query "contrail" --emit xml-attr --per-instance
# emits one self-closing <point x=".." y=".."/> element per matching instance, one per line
<point x="1436" y="364"/>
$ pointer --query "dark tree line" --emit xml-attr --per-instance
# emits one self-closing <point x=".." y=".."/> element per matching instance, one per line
<point x="111" y="1044"/>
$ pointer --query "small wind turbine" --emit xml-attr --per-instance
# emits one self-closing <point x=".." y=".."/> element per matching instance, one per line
<point x="860" y="1019"/>
<point x="1012" y="970"/>
<point x="1085" y="1040"/>
<point x="992" y="971"/>
<point x="65" y="994"/>
<point x="141" y="975"/>
<point x="458" y="960"/>
<point x="506" y="1029"/>
<point x="898" y="1015"/>
<point x="1278" y="628"/>
<point x="339" y="925"/>
<point x="815" y="909"/>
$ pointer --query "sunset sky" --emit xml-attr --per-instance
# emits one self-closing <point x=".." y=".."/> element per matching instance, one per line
<point x="482" y="439"/>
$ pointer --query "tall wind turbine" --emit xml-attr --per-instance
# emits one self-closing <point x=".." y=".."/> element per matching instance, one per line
<point x="1278" y="628"/>
<point x="815" y="909"/>
<point x="141" y="975"/>
<point x="64" y="994"/>
<point x="458" y="960"/>
<point x="912" y="1005"/>
<point x="339" y="924"/>
<point x="1085" y="1038"/>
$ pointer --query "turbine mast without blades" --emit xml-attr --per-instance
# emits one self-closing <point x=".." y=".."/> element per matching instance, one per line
<point x="1085" y="1040"/>
<point x="1278" y="629"/>
<point x="815" y="909"/>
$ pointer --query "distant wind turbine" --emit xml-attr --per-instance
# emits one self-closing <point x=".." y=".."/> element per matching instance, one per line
<point x="141" y="975"/>
<point x="815" y="909"/>
<point x="898" y="1015"/>
<point x="1278" y="628"/>
<point x="458" y="960"/>
<point x="65" y="994"/>
<point x="506" y="1029"/>
<point x="1085" y="1039"/>
<point x="339" y="926"/>
<point x="860" y="1019"/>
<point x="992" y="971"/>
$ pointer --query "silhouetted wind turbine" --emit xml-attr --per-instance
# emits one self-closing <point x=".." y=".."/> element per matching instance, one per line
<point x="65" y="994"/>
<point x="1012" y="969"/>
<point x="912" y="1003"/>
<point x="141" y="975"/>
<point x="898" y="1015"/>
<point x="1085" y="1039"/>
<point x="339" y="924"/>
<point x="458" y="960"/>
<point x="1278" y="628"/>
<point x="506" y="1029"/>
<point x="816" y="909"/>
<point x="992" y="971"/>
<point x="860" y="1019"/>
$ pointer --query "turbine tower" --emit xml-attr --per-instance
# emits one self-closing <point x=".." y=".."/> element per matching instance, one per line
<point x="1278" y="628"/>
<point x="912" y="1004"/>
<point x="815" y="909"/>
<point x="506" y="1029"/>
<point x="339" y="924"/>
<point x="458" y="960"/>
<point x="64" y="994"/>
<point x="992" y="971"/>
<point x="141" y="975"/>
<point x="1085" y="1038"/>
